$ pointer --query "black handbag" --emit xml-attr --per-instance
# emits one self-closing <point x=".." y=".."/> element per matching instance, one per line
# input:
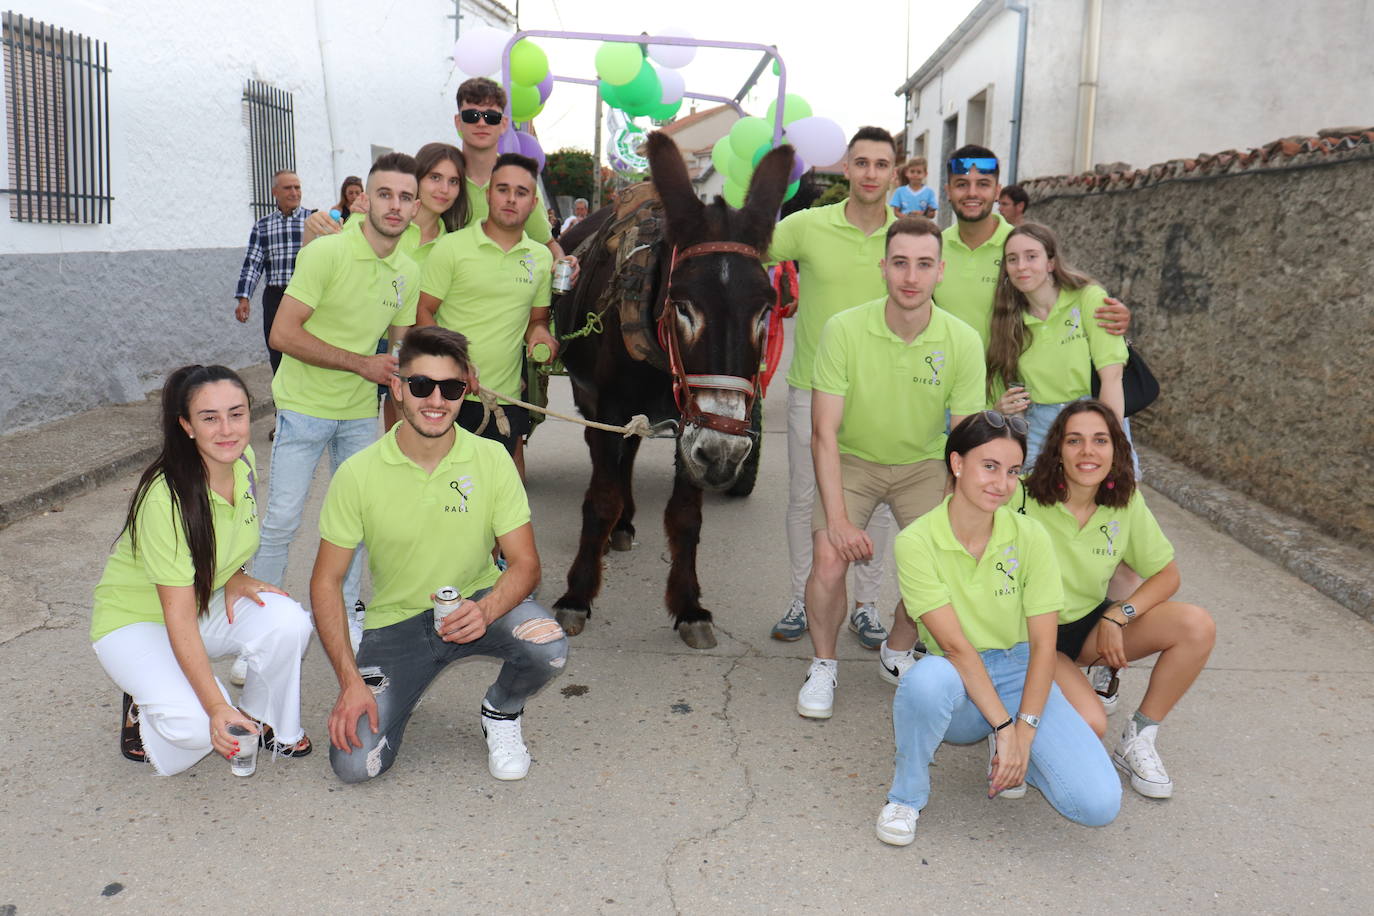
<point x="1138" y="384"/>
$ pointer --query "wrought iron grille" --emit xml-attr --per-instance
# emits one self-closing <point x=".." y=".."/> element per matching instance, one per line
<point x="57" y="109"/>
<point x="270" y="113"/>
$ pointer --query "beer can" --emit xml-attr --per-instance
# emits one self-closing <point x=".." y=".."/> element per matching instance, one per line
<point x="446" y="601"/>
<point x="562" y="275"/>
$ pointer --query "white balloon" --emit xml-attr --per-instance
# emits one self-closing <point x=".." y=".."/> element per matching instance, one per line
<point x="674" y="83"/>
<point x="478" y="51"/>
<point x="819" y="141"/>
<point x="673" y="56"/>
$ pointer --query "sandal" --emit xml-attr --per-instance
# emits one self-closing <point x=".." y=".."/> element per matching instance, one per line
<point x="130" y="739"/>
<point x="268" y="740"/>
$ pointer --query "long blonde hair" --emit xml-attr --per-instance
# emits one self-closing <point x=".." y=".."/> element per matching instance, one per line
<point x="1007" y="338"/>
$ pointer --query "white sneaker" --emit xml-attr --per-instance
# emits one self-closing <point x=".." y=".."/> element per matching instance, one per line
<point x="239" y="672"/>
<point x="897" y="824"/>
<point x="507" y="756"/>
<point x="1100" y="676"/>
<point x="817" y="697"/>
<point x="893" y="665"/>
<point x="1136" y="756"/>
<point x="1014" y="791"/>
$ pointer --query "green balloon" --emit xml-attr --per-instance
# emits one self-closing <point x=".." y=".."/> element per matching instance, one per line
<point x="643" y="90"/>
<point x="524" y="102"/>
<point x="610" y="94"/>
<point x="747" y="134"/>
<point x="763" y="150"/>
<point x="617" y="63"/>
<point x="734" y="194"/>
<point x="794" y="108"/>
<point x="792" y="190"/>
<point x="722" y="157"/>
<point x="528" y="63"/>
<point x="666" y="112"/>
<point x="776" y="69"/>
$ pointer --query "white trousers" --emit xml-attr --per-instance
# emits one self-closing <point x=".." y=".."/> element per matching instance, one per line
<point x="801" y="498"/>
<point x="174" y="726"/>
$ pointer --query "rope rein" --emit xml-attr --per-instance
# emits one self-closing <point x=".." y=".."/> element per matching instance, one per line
<point x="639" y="424"/>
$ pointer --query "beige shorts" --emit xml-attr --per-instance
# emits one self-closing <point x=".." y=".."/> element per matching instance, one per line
<point x="910" y="490"/>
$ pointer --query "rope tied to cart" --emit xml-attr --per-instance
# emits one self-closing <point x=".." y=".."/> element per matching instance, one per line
<point x="639" y="424"/>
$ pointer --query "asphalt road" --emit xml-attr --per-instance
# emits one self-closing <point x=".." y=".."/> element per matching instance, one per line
<point x="672" y="780"/>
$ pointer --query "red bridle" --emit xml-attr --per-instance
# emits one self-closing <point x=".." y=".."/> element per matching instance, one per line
<point x="685" y="385"/>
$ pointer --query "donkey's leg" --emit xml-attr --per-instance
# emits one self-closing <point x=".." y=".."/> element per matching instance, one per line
<point x="600" y="510"/>
<point x="623" y="537"/>
<point x="682" y="522"/>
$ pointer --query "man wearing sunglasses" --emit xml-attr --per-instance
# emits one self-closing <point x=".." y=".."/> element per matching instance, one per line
<point x="430" y="500"/>
<point x="973" y="245"/>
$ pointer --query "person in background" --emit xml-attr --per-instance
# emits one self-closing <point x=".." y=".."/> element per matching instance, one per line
<point x="272" y="248"/>
<point x="913" y="198"/>
<point x="555" y="224"/>
<point x="580" y="207"/>
<point x="348" y="193"/>
<point x="1012" y="203"/>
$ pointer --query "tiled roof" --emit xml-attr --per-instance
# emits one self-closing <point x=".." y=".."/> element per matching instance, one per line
<point x="673" y="127"/>
<point x="1332" y="144"/>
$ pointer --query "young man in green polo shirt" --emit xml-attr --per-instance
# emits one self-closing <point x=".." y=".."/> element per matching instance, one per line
<point x="430" y="501"/>
<point x="348" y="290"/>
<point x="896" y="357"/>
<point x="491" y="281"/>
<point x="836" y="248"/>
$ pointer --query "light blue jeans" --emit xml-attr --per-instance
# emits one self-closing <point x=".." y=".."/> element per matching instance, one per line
<point x="1068" y="763"/>
<point x="299" y="442"/>
<point x="1039" y="417"/>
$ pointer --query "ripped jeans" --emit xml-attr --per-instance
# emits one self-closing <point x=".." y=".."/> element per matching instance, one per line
<point x="399" y="663"/>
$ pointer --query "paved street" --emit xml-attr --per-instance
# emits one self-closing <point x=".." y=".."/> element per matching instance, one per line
<point x="670" y="780"/>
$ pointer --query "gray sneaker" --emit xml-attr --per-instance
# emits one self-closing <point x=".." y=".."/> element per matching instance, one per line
<point x="793" y="624"/>
<point x="864" y="623"/>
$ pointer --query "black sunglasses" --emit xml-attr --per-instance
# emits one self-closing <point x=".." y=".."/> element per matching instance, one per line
<point x="490" y="115"/>
<point x="999" y="421"/>
<point x="421" y="386"/>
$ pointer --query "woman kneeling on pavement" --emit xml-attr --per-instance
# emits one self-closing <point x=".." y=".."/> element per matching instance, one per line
<point x="174" y="594"/>
<point x="1083" y="491"/>
<point x="983" y="584"/>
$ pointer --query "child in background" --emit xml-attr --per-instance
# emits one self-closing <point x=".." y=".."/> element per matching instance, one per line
<point x="914" y="198"/>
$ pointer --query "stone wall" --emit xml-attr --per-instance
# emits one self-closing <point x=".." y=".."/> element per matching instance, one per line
<point x="1249" y="276"/>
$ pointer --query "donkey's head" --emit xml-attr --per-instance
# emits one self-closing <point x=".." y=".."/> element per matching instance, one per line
<point x="717" y="310"/>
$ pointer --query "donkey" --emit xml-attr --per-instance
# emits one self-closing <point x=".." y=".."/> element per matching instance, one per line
<point x="696" y="276"/>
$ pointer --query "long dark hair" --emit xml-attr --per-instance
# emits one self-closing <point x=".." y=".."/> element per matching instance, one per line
<point x="342" y="205"/>
<point x="430" y="155"/>
<point x="1046" y="483"/>
<point x="1007" y="338"/>
<point x="180" y="464"/>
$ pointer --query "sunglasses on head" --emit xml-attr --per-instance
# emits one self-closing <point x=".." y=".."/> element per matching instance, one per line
<point x="421" y="386"/>
<point x="964" y="166"/>
<point x="490" y="115"/>
<point x="1001" y="421"/>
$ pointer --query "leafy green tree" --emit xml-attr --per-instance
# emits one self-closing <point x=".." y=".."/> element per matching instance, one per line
<point x="834" y="194"/>
<point x="571" y="172"/>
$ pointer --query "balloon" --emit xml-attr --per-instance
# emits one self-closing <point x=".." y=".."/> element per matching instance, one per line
<point x="509" y="142"/>
<point x="478" y="52"/>
<point x="747" y="134"/>
<point x="734" y="194"/>
<point x="666" y="111"/>
<point x="529" y="146"/>
<point x="528" y="63"/>
<point x="617" y="63"/>
<point x="643" y="90"/>
<point x="721" y="154"/>
<point x="791" y="191"/>
<point x="674" y="85"/>
<point x="545" y="87"/>
<point x="524" y="102"/>
<point x="777" y="71"/>
<point x="818" y="140"/>
<point x="794" y="108"/>
<point x="759" y="153"/>
<point x="609" y="94"/>
<point x="673" y="56"/>
<point x="799" y="168"/>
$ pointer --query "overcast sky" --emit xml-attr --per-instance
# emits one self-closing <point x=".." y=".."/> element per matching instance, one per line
<point x="847" y="61"/>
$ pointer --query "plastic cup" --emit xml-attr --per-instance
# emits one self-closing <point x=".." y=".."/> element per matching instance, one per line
<point x="246" y="760"/>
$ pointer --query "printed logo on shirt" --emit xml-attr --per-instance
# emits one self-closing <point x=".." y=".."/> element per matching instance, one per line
<point x="1110" y="531"/>
<point x="527" y="262"/>
<point x="1073" y="325"/>
<point x="399" y="286"/>
<point x="1007" y="566"/>
<point x="935" y="361"/>
<point x="252" y="507"/>
<point x="463" y="486"/>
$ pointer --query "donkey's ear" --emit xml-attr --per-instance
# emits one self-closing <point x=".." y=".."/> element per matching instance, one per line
<point x="767" y="188"/>
<point x="669" y="173"/>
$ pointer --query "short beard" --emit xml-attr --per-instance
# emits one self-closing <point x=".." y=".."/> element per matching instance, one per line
<point x="377" y="224"/>
<point x="411" y="417"/>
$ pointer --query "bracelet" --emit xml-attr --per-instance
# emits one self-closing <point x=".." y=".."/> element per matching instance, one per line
<point x="1005" y="724"/>
<point x="1111" y="620"/>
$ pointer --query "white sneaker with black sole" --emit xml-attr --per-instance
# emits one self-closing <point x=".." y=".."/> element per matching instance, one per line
<point x="1135" y="755"/>
<point x="816" y="700"/>
<point x="507" y="756"/>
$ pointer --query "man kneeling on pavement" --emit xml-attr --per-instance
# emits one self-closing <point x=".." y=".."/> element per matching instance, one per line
<point x="429" y="500"/>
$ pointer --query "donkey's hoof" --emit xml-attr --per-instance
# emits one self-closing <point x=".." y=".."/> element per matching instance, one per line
<point x="622" y="541"/>
<point x="571" y="620"/>
<point x="698" y="634"/>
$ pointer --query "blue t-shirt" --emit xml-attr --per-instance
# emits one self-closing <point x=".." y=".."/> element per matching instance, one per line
<point x="909" y="201"/>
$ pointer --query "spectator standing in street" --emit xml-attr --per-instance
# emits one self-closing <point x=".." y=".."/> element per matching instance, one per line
<point x="349" y="192"/>
<point x="272" y="248"/>
<point x="1012" y="203"/>
<point x="579" y="213"/>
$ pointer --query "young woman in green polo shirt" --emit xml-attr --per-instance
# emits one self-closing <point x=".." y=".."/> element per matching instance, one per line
<point x="174" y="593"/>
<point x="1086" y="498"/>
<point x="1043" y="345"/>
<point x="983" y="583"/>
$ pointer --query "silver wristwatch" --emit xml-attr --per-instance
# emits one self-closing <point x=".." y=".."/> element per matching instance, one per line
<point x="1128" y="609"/>
<point x="1032" y="721"/>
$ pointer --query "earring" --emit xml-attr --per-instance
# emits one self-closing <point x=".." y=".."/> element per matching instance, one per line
<point x="1111" y="484"/>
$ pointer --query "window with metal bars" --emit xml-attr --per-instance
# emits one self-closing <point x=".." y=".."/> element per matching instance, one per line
<point x="57" y="112"/>
<point x="270" y="115"/>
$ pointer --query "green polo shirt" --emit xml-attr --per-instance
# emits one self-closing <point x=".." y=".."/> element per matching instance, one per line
<point x="486" y="294"/>
<point x="127" y="591"/>
<point x="1063" y="349"/>
<point x="354" y="297"/>
<point x="1089" y="555"/>
<point x="1017" y="577"/>
<point x="837" y="268"/>
<point x="970" y="281"/>
<point x="409" y="243"/>
<point x="895" y="393"/>
<point x="537" y="225"/>
<point x="424" y="531"/>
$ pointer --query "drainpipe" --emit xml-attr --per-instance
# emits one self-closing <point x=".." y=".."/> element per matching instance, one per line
<point x="1087" y="86"/>
<point x="1021" y="10"/>
<point x="331" y="114"/>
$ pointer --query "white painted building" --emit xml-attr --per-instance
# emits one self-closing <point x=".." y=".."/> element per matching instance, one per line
<point x="100" y="310"/>
<point x="1139" y="82"/>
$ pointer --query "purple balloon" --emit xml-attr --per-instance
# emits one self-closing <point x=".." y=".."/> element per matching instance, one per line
<point x="509" y="142"/>
<point x="799" y="168"/>
<point x="529" y="146"/>
<point x="545" y="86"/>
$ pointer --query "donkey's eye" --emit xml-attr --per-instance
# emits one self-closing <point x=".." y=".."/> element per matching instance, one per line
<point x="684" y="307"/>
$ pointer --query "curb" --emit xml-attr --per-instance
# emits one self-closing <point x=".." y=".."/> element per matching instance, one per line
<point x="1342" y="573"/>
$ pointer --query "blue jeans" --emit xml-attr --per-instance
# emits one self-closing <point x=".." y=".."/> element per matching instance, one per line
<point x="1068" y="763"/>
<point x="399" y="663"/>
<point x="1039" y="418"/>
<point x="296" y="449"/>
